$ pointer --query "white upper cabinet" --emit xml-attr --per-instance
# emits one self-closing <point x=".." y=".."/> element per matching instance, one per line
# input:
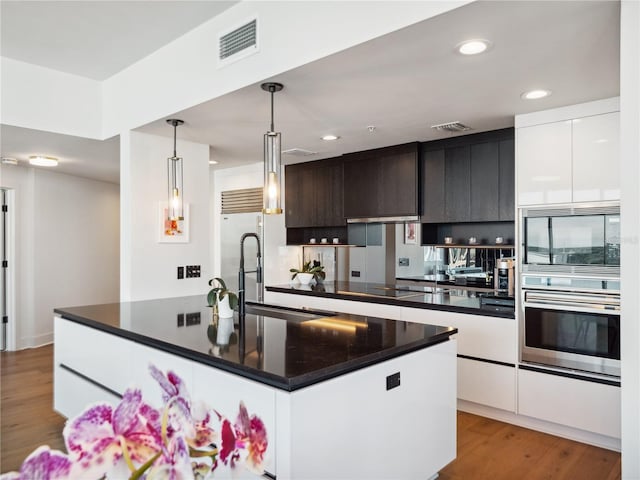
<point x="569" y="154"/>
<point x="543" y="159"/>
<point x="596" y="149"/>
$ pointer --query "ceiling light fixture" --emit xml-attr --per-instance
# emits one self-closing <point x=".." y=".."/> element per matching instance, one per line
<point x="473" y="47"/>
<point x="42" y="161"/>
<point x="175" y="210"/>
<point x="213" y="162"/>
<point x="272" y="160"/>
<point x="535" y="94"/>
<point x="9" y="161"/>
<point x="329" y="138"/>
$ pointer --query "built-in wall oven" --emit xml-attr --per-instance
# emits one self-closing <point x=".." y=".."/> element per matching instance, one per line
<point x="570" y="288"/>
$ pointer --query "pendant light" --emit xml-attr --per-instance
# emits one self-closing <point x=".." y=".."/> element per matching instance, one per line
<point x="272" y="162"/>
<point x="175" y="210"/>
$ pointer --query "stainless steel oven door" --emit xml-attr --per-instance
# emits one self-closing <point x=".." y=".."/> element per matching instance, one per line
<point x="573" y="330"/>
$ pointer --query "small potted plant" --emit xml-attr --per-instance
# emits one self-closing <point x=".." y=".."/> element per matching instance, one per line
<point x="309" y="270"/>
<point x="221" y="298"/>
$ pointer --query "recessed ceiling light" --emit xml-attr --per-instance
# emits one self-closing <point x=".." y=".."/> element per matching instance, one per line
<point x="535" y="94"/>
<point x="213" y="162"/>
<point x="330" y="137"/>
<point x="40" y="161"/>
<point x="9" y="161"/>
<point x="473" y="47"/>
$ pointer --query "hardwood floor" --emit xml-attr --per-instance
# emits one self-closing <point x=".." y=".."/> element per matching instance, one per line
<point x="487" y="449"/>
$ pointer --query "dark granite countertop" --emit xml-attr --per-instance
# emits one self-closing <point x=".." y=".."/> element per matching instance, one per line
<point x="449" y="298"/>
<point x="286" y="354"/>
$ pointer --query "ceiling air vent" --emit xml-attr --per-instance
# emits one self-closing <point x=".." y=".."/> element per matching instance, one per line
<point x="298" y="152"/>
<point x="242" y="201"/>
<point x="238" y="43"/>
<point x="451" y="127"/>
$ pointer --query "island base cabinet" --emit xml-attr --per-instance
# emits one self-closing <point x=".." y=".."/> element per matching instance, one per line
<point x="581" y="404"/>
<point x="487" y="384"/>
<point x="353" y="427"/>
<point x="224" y="392"/>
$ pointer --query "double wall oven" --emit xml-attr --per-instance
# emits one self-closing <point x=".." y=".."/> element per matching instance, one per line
<point x="570" y="288"/>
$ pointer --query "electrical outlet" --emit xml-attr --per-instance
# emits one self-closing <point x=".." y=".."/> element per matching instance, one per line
<point x="403" y="262"/>
<point x="192" y="319"/>
<point x="181" y="319"/>
<point x="180" y="273"/>
<point x="355" y="273"/>
<point x="193" y="271"/>
<point x="393" y="381"/>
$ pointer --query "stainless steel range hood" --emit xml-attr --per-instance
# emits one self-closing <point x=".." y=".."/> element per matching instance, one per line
<point x="399" y="219"/>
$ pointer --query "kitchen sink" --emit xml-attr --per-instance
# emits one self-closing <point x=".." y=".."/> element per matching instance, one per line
<point x="285" y="313"/>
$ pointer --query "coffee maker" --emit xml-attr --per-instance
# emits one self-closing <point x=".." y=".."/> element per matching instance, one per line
<point x="504" y="277"/>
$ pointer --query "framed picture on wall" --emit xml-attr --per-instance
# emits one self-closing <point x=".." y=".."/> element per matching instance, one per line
<point x="411" y="233"/>
<point x="172" y="231"/>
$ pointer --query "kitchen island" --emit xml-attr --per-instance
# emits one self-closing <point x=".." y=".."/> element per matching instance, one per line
<point x="341" y="395"/>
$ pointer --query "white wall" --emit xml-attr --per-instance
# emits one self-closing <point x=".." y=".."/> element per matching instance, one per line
<point x="630" y="233"/>
<point x="43" y="99"/>
<point x="66" y="241"/>
<point x="149" y="267"/>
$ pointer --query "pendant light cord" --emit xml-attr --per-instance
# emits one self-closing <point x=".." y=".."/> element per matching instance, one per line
<point x="272" y="89"/>
<point x="175" y="129"/>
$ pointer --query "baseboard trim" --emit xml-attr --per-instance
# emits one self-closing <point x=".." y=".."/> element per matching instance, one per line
<point x="582" y="436"/>
<point x="35" y="342"/>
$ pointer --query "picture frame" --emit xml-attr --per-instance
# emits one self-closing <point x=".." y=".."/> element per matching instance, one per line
<point x="182" y="235"/>
<point x="411" y="233"/>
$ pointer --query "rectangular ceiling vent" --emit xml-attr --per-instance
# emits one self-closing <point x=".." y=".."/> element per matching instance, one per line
<point x="298" y="152"/>
<point x="238" y="43"/>
<point x="451" y="127"/>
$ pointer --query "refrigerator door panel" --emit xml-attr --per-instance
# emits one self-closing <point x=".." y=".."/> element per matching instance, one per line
<point x="232" y="228"/>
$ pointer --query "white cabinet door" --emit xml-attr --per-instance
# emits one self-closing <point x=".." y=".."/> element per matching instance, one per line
<point x="543" y="163"/>
<point x="576" y="403"/>
<point x="224" y="391"/>
<point x="596" y="152"/>
<point x="487" y="384"/>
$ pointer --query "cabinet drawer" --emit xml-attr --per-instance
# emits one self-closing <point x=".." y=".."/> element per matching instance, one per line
<point x="582" y="404"/>
<point x="487" y="383"/>
<point x="489" y="338"/>
<point x="95" y="354"/>
<point x="84" y="393"/>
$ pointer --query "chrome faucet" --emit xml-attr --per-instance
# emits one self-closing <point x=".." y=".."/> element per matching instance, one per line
<point x="241" y="273"/>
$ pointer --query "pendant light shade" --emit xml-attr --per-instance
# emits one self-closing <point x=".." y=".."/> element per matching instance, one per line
<point x="175" y="210"/>
<point x="272" y="203"/>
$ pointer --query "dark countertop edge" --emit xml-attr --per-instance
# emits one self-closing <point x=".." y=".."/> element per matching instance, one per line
<point x="396" y="301"/>
<point x="261" y="377"/>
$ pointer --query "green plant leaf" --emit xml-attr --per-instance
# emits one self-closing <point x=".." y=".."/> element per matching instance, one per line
<point x="211" y="298"/>
<point x="233" y="300"/>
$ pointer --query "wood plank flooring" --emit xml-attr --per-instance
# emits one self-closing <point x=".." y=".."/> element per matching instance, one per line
<point x="487" y="449"/>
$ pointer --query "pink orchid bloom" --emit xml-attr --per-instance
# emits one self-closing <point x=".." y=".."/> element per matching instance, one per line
<point x="252" y="436"/>
<point x="102" y="440"/>
<point x="42" y="464"/>
<point x="174" y="463"/>
<point x="180" y="416"/>
<point x="247" y="434"/>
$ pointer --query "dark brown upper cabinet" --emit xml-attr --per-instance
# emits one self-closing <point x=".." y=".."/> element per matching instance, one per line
<point x="469" y="178"/>
<point x="314" y="194"/>
<point x="382" y="182"/>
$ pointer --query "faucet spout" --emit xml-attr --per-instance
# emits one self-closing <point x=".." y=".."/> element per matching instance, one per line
<point x="241" y="273"/>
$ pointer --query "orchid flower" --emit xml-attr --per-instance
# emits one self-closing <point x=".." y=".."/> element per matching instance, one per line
<point x="102" y="441"/>
<point x="174" y="463"/>
<point x="247" y="434"/>
<point x="179" y="415"/>
<point x="43" y="464"/>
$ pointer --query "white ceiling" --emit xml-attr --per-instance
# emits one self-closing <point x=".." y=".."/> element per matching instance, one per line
<point x="409" y="80"/>
<point x="96" y="39"/>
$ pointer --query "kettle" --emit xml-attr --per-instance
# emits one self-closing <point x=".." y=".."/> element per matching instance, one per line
<point x="504" y="276"/>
